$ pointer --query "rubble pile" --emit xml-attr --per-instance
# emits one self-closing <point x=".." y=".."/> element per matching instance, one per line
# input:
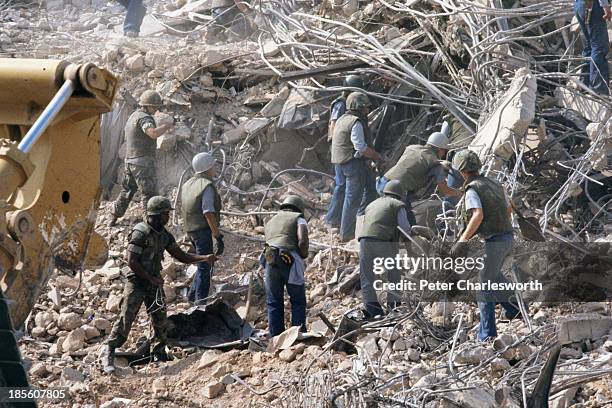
<point x="257" y="97"/>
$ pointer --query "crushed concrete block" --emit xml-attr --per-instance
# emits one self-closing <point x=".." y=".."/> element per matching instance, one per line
<point x="209" y="358"/>
<point x="583" y="326"/>
<point x="75" y="340"/>
<point x="590" y="109"/>
<point x="287" y="355"/>
<point x="166" y="142"/>
<point x="234" y="136"/>
<point x="135" y="63"/>
<point x="213" y="389"/>
<point x="473" y="355"/>
<point x="511" y="119"/>
<point x="70" y="375"/>
<point x="473" y="398"/>
<point x="69" y="321"/>
<point x="368" y="346"/>
<point x="112" y="303"/>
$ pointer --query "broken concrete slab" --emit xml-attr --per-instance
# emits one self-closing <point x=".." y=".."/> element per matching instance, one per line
<point x="589" y="108"/>
<point x="510" y="120"/>
<point x="583" y="326"/>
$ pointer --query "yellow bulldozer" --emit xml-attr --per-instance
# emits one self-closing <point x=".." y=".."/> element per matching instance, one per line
<point x="50" y="190"/>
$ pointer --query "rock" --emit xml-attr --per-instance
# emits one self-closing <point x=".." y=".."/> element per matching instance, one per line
<point x="182" y="71"/>
<point x="584" y="326"/>
<point x="170" y="293"/>
<point x="70" y="375"/>
<point x="112" y="303"/>
<point x="117" y="403"/>
<point x="135" y="63"/>
<point x="69" y="321"/>
<point x="209" y="358"/>
<point x="213" y="389"/>
<point x="44" y="319"/>
<point x="473" y="355"/>
<point x="499" y="366"/>
<point x="75" y="340"/>
<point x="112" y="273"/>
<point x="221" y="370"/>
<point x="389" y="334"/>
<point x="400" y="345"/>
<point x="368" y="345"/>
<point x="570" y="352"/>
<point x="91" y="332"/>
<point x="39" y="370"/>
<point x="228" y="379"/>
<point x="206" y="80"/>
<point x="392" y="33"/>
<point x="38" y="332"/>
<point x="287" y="355"/>
<point x="166" y="142"/>
<point x="102" y="324"/>
<point x="473" y="398"/>
<point x="413" y="355"/>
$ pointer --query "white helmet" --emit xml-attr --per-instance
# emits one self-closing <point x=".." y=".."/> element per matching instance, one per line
<point x="439" y="140"/>
<point x="202" y="162"/>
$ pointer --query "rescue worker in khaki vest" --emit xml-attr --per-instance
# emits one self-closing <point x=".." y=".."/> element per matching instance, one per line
<point x="201" y="208"/>
<point x="338" y="106"/>
<point x="145" y="252"/>
<point x="417" y="166"/>
<point x="355" y="184"/>
<point x="379" y="238"/>
<point x="487" y="212"/>
<point x="283" y="259"/>
<point x="140" y="135"/>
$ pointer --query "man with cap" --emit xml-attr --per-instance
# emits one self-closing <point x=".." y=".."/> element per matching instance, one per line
<point x="145" y="252"/>
<point x="283" y="257"/>
<point x="486" y="211"/>
<point x="338" y="105"/>
<point x="201" y="209"/>
<point x="417" y="166"/>
<point x="351" y="151"/>
<point x="379" y="238"/>
<point x="141" y="133"/>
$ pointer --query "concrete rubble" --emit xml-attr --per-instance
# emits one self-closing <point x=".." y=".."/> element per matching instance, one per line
<point x="259" y="99"/>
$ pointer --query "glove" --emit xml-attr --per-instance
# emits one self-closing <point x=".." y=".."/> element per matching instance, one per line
<point x="446" y="165"/>
<point x="459" y="249"/>
<point x="220" y="245"/>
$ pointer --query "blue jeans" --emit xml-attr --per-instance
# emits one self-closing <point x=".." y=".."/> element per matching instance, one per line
<point x="595" y="46"/>
<point x="134" y="16"/>
<point x="201" y="282"/>
<point x="276" y="279"/>
<point x="351" y="196"/>
<point x="496" y="250"/>
<point x="380" y="186"/>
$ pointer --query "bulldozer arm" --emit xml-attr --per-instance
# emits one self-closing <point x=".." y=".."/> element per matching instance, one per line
<point x="49" y="171"/>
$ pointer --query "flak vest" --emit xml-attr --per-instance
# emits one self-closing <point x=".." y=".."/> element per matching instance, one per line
<point x="138" y="143"/>
<point x="342" y="149"/>
<point x="153" y="250"/>
<point x="191" y="198"/>
<point x="495" y="211"/>
<point x="412" y="168"/>
<point x="281" y="230"/>
<point x="380" y="219"/>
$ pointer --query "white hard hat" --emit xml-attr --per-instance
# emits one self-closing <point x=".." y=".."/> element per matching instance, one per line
<point x="202" y="162"/>
<point x="439" y="140"/>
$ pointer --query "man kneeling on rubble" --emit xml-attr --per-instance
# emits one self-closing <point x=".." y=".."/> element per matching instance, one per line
<point x="486" y="211"/>
<point x="145" y="252"/>
<point x="283" y="258"/>
<point x="379" y="238"/>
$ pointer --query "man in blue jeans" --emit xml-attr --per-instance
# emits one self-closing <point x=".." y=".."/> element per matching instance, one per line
<point x="351" y="148"/>
<point x="133" y="18"/>
<point x="486" y="210"/>
<point x="592" y="16"/>
<point x="283" y="259"/>
<point x="201" y="208"/>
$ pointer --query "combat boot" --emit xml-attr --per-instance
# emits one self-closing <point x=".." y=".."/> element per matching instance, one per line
<point x="107" y="357"/>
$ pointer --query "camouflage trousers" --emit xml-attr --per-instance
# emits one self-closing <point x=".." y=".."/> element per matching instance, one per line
<point x="136" y="177"/>
<point x="135" y="292"/>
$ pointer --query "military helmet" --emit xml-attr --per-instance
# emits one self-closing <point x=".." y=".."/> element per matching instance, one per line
<point x="354" y="81"/>
<point x="202" y="162"/>
<point x="150" y="98"/>
<point x="158" y="205"/>
<point x="357" y="101"/>
<point x="293" y="201"/>
<point x="466" y="160"/>
<point x="394" y="187"/>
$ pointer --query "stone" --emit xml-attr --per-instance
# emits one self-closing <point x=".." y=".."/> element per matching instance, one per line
<point x="221" y="370"/>
<point x="287" y="355"/>
<point x="473" y="398"/>
<point x="392" y="33"/>
<point x="389" y="334"/>
<point x="102" y="324"/>
<point x="213" y="389"/>
<point x="507" y="124"/>
<point x="69" y="321"/>
<point x="39" y="332"/>
<point x="117" y="403"/>
<point x="166" y="142"/>
<point x="56" y="298"/>
<point x="135" y="63"/>
<point x="75" y="340"/>
<point x="413" y="355"/>
<point x="44" y="319"/>
<point x="499" y="366"/>
<point x="563" y="399"/>
<point x="209" y="358"/>
<point x="90" y="332"/>
<point x="400" y="345"/>
<point x="473" y="355"/>
<point x="570" y="353"/>
<point x="70" y="375"/>
<point x="112" y="273"/>
<point x="112" y="303"/>
<point x="583" y="326"/>
<point x="183" y="71"/>
<point x="170" y="293"/>
<point x="592" y="110"/>
<point x="154" y="59"/>
<point x="39" y="370"/>
<point x="228" y="379"/>
<point x="206" y="80"/>
<point x="368" y="345"/>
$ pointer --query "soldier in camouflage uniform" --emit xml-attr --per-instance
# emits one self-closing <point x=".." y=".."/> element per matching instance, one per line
<point x="140" y="134"/>
<point x="145" y="253"/>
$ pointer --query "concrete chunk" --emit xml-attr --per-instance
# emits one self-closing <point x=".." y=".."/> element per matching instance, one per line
<point x="584" y="326"/>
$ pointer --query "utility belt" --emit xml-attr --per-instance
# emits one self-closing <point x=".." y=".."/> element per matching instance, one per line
<point x="276" y="257"/>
